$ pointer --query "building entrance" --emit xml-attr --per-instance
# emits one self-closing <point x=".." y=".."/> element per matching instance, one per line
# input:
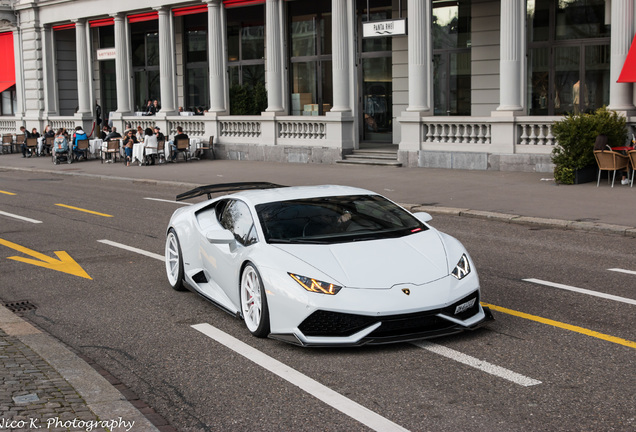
<point x="376" y="79"/>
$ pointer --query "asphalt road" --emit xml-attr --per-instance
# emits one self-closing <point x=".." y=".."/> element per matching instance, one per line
<point x="554" y="359"/>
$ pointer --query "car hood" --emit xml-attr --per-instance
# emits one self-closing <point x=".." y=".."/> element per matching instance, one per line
<point x="379" y="264"/>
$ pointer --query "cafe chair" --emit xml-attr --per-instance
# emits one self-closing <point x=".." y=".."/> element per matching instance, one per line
<point x="204" y="147"/>
<point x="183" y="146"/>
<point x="32" y="146"/>
<point x="82" y="147"/>
<point x="111" y="151"/>
<point x="161" y="151"/>
<point x="632" y="158"/>
<point x="7" y="143"/>
<point x="610" y="161"/>
<point x="19" y="140"/>
<point x="48" y="144"/>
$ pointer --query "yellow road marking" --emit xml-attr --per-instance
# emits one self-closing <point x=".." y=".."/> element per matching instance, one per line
<point x="63" y="262"/>
<point x="84" y="210"/>
<point x="565" y="326"/>
<point x="6" y="193"/>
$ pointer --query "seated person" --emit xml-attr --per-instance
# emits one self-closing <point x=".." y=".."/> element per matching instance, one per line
<point x="173" y="143"/>
<point x="48" y="133"/>
<point x="150" y="146"/>
<point x="113" y="134"/>
<point x="104" y="133"/>
<point x="23" y="147"/>
<point x="60" y="144"/>
<point x="79" y="135"/>
<point x="128" y="142"/>
<point x="160" y="136"/>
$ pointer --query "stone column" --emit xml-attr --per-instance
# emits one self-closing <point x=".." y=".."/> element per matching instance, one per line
<point x="216" y="55"/>
<point x="340" y="56"/>
<point x="621" y="94"/>
<point x="512" y="54"/>
<point x="122" y="77"/>
<point x="166" y="62"/>
<point x="273" y="57"/>
<point x="419" y="55"/>
<point x="83" y="82"/>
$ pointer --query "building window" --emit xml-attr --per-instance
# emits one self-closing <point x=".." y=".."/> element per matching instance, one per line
<point x="310" y="55"/>
<point x="451" y="58"/>
<point x="197" y="81"/>
<point x="9" y="102"/>
<point x="144" y="40"/>
<point x="246" y="46"/>
<point x="568" y="56"/>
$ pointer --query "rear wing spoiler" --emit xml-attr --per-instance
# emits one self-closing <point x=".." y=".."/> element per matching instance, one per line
<point x="226" y="187"/>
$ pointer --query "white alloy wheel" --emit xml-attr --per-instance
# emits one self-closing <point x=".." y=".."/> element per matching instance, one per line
<point x="254" y="302"/>
<point x="174" y="261"/>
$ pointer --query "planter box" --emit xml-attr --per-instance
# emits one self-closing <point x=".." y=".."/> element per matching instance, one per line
<point x="586" y="175"/>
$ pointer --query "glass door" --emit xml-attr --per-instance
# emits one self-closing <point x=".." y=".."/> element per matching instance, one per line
<point x="377" y="105"/>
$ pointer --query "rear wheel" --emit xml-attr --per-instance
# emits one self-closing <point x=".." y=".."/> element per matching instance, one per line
<point x="254" y="303"/>
<point x="174" y="261"/>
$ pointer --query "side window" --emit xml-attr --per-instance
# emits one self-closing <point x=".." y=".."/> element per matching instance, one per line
<point x="237" y="218"/>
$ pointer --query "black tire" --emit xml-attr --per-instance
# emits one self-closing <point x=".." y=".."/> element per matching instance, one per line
<point x="174" y="261"/>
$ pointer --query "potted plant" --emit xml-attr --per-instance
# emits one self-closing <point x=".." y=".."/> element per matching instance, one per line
<point x="575" y="134"/>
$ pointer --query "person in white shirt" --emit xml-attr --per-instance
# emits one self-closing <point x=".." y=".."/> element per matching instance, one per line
<point x="150" y="147"/>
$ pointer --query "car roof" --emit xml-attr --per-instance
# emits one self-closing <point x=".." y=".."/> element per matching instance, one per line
<point x="262" y="196"/>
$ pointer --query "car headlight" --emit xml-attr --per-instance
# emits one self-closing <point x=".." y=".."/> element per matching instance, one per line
<point x="316" y="286"/>
<point x="462" y="268"/>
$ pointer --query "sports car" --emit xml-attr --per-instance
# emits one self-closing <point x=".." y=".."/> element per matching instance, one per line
<point x="322" y="265"/>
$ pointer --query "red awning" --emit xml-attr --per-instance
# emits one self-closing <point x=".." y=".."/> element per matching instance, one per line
<point x="628" y="74"/>
<point x="7" y="71"/>
<point x="102" y="22"/>
<point x="190" y="10"/>
<point x="237" y="3"/>
<point x="149" y="16"/>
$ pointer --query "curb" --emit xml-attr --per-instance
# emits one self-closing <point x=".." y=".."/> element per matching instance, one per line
<point x="598" y="227"/>
<point x="105" y="401"/>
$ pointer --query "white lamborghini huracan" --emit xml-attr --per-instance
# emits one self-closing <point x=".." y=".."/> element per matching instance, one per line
<point x="322" y="265"/>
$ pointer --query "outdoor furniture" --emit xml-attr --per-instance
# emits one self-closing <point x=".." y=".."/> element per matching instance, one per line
<point x="112" y="149"/>
<point x="608" y="160"/>
<point x="82" y="147"/>
<point x="632" y="158"/>
<point x="161" y="151"/>
<point x="183" y="146"/>
<point x="7" y="143"/>
<point x="32" y="146"/>
<point x="202" y="147"/>
<point x="19" y="140"/>
<point x="48" y="144"/>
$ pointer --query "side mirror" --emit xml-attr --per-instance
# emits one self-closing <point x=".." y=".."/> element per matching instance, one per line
<point x="423" y="216"/>
<point x="219" y="236"/>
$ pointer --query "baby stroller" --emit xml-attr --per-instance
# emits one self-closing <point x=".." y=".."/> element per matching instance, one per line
<point x="61" y="151"/>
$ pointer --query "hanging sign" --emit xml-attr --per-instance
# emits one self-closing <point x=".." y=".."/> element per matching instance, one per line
<point x="106" y="54"/>
<point x="395" y="27"/>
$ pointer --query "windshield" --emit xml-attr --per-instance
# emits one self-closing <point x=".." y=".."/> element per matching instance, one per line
<point x="335" y="220"/>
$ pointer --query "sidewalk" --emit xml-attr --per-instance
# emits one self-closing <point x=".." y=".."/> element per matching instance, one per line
<point x="44" y="382"/>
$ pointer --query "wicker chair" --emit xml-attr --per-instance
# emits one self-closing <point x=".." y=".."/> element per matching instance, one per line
<point x="183" y="146"/>
<point x="608" y="160"/>
<point x="7" y="143"/>
<point x="632" y="158"/>
<point x="32" y="146"/>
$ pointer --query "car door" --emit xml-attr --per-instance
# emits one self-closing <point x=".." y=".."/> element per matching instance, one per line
<point x="236" y="218"/>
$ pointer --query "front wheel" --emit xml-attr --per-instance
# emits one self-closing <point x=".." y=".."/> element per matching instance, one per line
<point x="174" y="261"/>
<point x="254" y="303"/>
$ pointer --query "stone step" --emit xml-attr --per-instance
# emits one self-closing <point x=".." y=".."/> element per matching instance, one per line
<point x="363" y="161"/>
